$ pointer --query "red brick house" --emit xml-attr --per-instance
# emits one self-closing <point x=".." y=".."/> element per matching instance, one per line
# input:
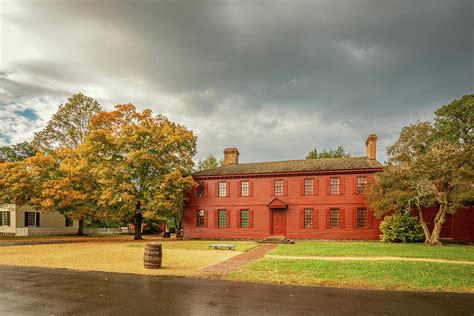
<point x="296" y="199"/>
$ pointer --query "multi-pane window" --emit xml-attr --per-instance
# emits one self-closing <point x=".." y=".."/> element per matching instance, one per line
<point x="308" y="218"/>
<point x="361" y="184"/>
<point x="244" y="218"/>
<point x="31" y="219"/>
<point x="200" y="218"/>
<point x="334" y="185"/>
<point x="200" y="189"/>
<point x="244" y="188"/>
<point x="334" y="218"/>
<point x="361" y="217"/>
<point x="222" y="218"/>
<point x="308" y="186"/>
<point x="69" y="221"/>
<point x="222" y="188"/>
<point x="5" y="218"/>
<point x="278" y="187"/>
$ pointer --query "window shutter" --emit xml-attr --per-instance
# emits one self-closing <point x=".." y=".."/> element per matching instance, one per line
<point x="342" y="218"/>
<point x="65" y="221"/>
<point x="342" y="186"/>
<point x="205" y="189"/>
<point x="285" y="187"/>
<point x="370" y="219"/>
<point x="328" y="186"/>
<point x="315" y="218"/>
<point x="227" y="188"/>
<point x="302" y="218"/>
<point x="354" y="185"/>
<point x="216" y="218"/>
<point x="328" y="218"/>
<point x="272" y="188"/>
<point x="26" y="219"/>
<point x="206" y="217"/>
<point x="237" y="218"/>
<point x="37" y="219"/>
<point x="217" y="189"/>
<point x="9" y="214"/>
<point x="227" y="218"/>
<point x="1" y="218"/>
<point x="250" y="218"/>
<point x="239" y="188"/>
<point x="316" y="187"/>
<point x="354" y="218"/>
<point x="302" y="187"/>
<point x="250" y="188"/>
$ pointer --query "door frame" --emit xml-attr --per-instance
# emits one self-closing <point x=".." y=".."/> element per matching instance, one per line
<point x="283" y="212"/>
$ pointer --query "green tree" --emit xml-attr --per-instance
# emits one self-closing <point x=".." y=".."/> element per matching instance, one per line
<point x="210" y="162"/>
<point x="339" y="152"/>
<point x="67" y="129"/>
<point x="16" y="152"/>
<point x="427" y="167"/>
<point x="142" y="163"/>
<point x="455" y="122"/>
<point x="69" y="125"/>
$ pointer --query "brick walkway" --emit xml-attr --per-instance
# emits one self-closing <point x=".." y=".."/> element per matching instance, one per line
<point x="237" y="262"/>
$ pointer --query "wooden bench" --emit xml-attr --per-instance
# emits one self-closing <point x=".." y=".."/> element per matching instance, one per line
<point x="222" y="246"/>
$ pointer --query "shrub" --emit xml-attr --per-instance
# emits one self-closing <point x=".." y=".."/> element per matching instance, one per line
<point x="401" y="228"/>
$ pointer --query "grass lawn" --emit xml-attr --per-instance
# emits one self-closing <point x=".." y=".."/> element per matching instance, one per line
<point x="395" y="275"/>
<point x="375" y="249"/>
<point x="181" y="258"/>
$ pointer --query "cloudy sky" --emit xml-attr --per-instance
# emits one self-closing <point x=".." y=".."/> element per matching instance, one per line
<point x="273" y="78"/>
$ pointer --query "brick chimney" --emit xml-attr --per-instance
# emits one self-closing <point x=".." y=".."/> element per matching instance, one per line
<point x="231" y="156"/>
<point x="371" y="147"/>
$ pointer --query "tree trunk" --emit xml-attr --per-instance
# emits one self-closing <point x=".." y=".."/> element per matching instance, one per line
<point x="80" y="229"/>
<point x="438" y="224"/>
<point x="137" y="221"/>
<point x="423" y="225"/>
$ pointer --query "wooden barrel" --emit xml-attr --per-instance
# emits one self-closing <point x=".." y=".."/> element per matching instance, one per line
<point x="152" y="256"/>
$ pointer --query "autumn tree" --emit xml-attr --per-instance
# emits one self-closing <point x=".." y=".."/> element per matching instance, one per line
<point x="429" y="165"/>
<point x="339" y="152"/>
<point x="141" y="162"/>
<point x="16" y="152"/>
<point x="210" y="162"/>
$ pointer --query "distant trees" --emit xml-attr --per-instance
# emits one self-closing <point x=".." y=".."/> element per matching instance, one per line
<point x="210" y="162"/>
<point x="430" y="164"/>
<point x="16" y="152"/>
<point x="339" y="152"/>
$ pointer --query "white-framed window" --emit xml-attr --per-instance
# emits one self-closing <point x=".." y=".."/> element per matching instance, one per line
<point x="361" y="217"/>
<point x="334" y="217"/>
<point x="278" y="187"/>
<point x="308" y="186"/>
<point x="244" y="218"/>
<point x="5" y="220"/>
<point x="334" y="186"/>
<point x="308" y="218"/>
<point x="244" y="188"/>
<point x="31" y="219"/>
<point x="200" y="218"/>
<point x="69" y="221"/>
<point x="361" y="184"/>
<point x="222" y="189"/>
<point x="201" y="189"/>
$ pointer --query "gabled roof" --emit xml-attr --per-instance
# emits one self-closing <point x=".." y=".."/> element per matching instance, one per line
<point x="303" y="165"/>
<point x="276" y="203"/>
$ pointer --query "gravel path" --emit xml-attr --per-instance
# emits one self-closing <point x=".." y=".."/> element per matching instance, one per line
<point x="237" y="262"/>
<point x="365" y="259"/>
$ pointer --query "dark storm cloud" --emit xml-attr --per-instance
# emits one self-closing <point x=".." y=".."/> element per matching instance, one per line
<point x="238" y="71"/>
